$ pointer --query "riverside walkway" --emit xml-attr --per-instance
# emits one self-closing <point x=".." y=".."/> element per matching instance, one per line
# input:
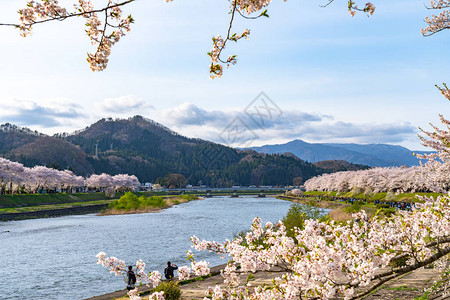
<point x="406" y="287"/>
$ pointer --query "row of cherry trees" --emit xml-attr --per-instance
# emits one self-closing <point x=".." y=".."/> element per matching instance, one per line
<point x="16" y="178"/>
<point x="376" y="180"/>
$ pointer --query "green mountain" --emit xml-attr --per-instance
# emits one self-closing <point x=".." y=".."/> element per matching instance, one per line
<point x="33" y="148"/>
<point x="150" y="150"/>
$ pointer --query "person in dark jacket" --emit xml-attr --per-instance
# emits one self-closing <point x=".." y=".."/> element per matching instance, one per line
<point x="131" y="279"/>
<point x="168" y="271"/>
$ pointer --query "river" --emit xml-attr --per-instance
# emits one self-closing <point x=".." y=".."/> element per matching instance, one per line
<point x="55" y="258"/>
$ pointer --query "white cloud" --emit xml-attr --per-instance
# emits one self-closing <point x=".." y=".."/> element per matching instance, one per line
<point x="125" y="105"/>
<point x="214" y="125"/>
<point x="45" y="114"/>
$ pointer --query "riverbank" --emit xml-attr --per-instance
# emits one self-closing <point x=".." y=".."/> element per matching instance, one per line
<point x="338" y="210"/>
<point x="344" y="205"/>
<point x="11" y="203"/>
<point x="49" y="213"/>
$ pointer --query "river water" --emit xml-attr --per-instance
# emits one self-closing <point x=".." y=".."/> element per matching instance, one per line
<point x="55" y="258"/>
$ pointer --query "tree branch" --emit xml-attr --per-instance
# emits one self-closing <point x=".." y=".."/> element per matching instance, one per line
<point x="389" y="275"/>
<point x="62" y="18"/>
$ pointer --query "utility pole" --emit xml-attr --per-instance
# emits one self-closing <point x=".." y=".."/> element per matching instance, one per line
<point x="96" y="150"/>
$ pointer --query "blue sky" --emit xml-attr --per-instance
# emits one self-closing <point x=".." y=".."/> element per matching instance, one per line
<point x="335" y="78"/>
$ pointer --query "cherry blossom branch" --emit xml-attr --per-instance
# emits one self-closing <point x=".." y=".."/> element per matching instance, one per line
<point x="440" y="22"/>
<point x="42" y="11"/>
<point x="70" y="15"/>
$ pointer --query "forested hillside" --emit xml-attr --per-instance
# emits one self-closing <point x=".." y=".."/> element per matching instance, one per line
<point x="149" y="150"/>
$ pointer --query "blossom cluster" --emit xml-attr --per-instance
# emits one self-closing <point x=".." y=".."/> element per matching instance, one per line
<point x="368" y="8"/>
<point x="115" y="265"/>
<point x="216" y="67"/>
<point x="437" y="168"/>
<point x="438" y="22"/>
<point x="152" y="279"/>
<point x="97" y="31"/>
<point x="157" y="296"/>
<point x="39" y="10"/>
<point x="200" y="268"/>
<point x="102" y="33"/>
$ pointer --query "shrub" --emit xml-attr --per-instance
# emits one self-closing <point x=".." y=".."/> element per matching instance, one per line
<point x="170" y="288"/>
<point x="130" y="201"/>
<point x="388" y="211"/>
<point x="356" y="207"/>
<point x="296" y="216"/>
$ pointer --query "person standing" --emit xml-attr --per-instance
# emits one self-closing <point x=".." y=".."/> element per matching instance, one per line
<point x="168" y="271"/>
<point x="131" y="279"/>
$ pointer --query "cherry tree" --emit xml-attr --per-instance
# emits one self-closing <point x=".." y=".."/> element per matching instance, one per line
<point x="100" y="182"/>
<point x="125" y="182"/>
<point x="375" y="180"/>
<point x="437" y="168"/>
<point x="120" y="182"/>
<point x="70" y="180"/>
<point x="11" y="174"/>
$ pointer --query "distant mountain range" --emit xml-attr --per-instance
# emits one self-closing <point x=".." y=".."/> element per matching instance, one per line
<point x="150" y="150"/>
<point x="380" y="155"/>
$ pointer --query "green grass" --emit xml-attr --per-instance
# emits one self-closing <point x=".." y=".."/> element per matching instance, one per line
<point x="51" y="206"/>
<point x="188" y="197"/>
<point x="402" y="288"/>
<point x="10" y="201"/>
<point x="24" y="200"/>
<point x="423" y="297"/>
